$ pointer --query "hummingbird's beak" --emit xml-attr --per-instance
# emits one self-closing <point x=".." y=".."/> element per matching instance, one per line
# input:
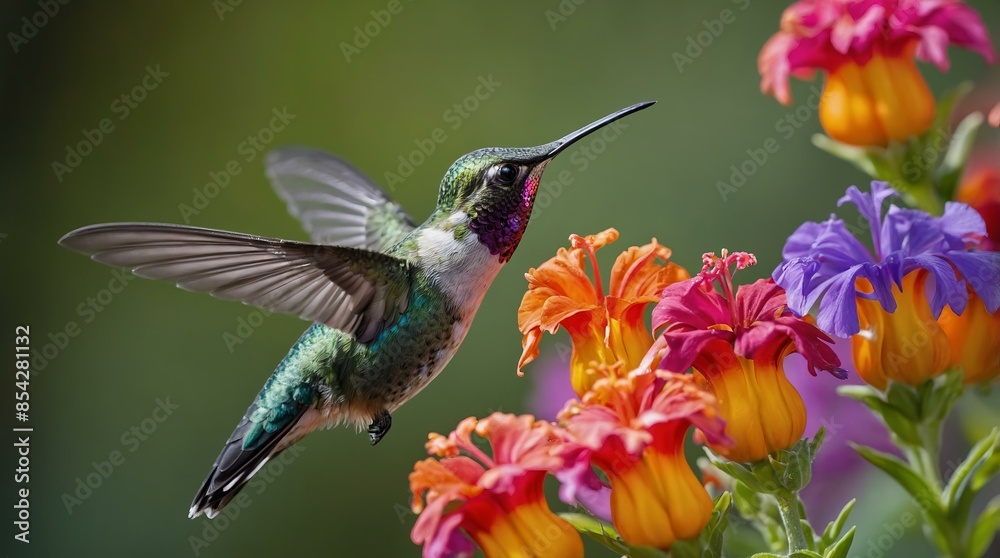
<point x="559" y="145"/>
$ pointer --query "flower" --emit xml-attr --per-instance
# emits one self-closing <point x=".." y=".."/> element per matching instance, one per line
<point x="973" y="338"/>
<point x="874" y="92"/>
<point x="981" y="191"/>
<point x="632" y="427"/>
<point x="604" y="328"/>
<point x="891" y="297"/>
<point x="496" y="500"/>
<point x="737" y="342"/>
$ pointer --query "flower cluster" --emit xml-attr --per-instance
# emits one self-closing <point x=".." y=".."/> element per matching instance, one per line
<point x="497" y="499"/>
<point x="605" y="328"/>
<point x="921" y="300"/>
<point x="737" y="341"/>
<point x="873" y="92"/>
<point x="619" y="448"/>
<point x="889" y="298"/>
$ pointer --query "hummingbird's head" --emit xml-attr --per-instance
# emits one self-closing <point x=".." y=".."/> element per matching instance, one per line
<point x="493" y="189"/>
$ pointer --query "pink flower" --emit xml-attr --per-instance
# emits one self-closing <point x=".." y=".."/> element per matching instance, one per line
<point x="822" y="34"/>
<point x="497" y="499"/>
<point x="632" y="427"/>
<point x="874" y="92"/>
<point x="737" y="341"/>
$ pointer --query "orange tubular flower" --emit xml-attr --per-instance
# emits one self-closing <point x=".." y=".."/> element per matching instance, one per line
<point x="874" y="92"/>
<point x="604" y="328"/>
<point x="907" y="345"/>
<point x="973" y="337"/>
<point x="981" y="190"/>
<point x="883" y="99"/>
<point x="737" y="342"/>
<point x="889" y="298"/>
<point x="496" y="500"/>
<point x="632" y="428"/>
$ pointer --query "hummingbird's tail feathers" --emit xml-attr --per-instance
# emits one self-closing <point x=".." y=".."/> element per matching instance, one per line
<point x="353" y="290"/>
<point x="336" y="203"/>
<point x="248" y="449"/>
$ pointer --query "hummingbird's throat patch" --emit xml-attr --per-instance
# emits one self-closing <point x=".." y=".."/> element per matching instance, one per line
<point x="500" y="221"/>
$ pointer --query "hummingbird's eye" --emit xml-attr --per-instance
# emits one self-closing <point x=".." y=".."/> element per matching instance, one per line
<point x="507" y="173"/>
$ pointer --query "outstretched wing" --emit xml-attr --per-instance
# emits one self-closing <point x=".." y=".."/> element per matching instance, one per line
<point x="336" y="203"/>
<point x="354" y="290"/>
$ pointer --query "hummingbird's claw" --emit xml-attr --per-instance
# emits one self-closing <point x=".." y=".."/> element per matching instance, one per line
<point x="379" y="426"/>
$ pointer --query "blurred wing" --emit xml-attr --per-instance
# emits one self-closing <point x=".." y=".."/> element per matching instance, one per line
<point x="336" y="203"/>
<point x="353" y="290"/>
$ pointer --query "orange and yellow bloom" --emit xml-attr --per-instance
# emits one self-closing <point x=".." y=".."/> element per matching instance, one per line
<point x="888" y="299"/>
<point x="496" y="500"/>
<point x="632" y="427"/>
<point x="874" y="92"/>
<point x="605" y="327"/>
<point x="737" y="342"/>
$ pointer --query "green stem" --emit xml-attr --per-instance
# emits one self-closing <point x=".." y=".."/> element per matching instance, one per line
<point x="923" y="196"/>
<point x="788" y="507"/>
<point x="924" y="460"/>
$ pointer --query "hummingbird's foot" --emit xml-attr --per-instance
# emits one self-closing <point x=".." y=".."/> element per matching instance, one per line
<point x="379" y="426"/>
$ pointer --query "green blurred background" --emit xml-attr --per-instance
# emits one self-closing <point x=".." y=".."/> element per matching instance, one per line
<point x="555" y="71"/>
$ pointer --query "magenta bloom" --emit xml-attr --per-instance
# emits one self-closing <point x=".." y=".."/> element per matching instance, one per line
<point x="753" y="320"/>
<point x="823" y="34"/>
<point x="737" y="342"/>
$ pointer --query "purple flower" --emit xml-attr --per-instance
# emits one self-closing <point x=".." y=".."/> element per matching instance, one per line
<point x="824" y="261"/>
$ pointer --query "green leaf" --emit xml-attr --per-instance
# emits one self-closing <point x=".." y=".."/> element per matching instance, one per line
<point x="985" y="529"/>
<point x="809" y="533"/>
<point x="609" y="537"/>
<point x="950" y="171"/>
<point x="903" y="399"/>
<point x="738" y="471"/>
<point x="834" y="528"/>
<point x="898" y="424"/>
<point x="960" y="480"/>
<point x="842" y="547"/>
<point x="713" y="535"/>
<point x="748" y="503"/>
<point x="767" y="555"/>
<point x="598" y="530"/>
<point x="939" y="395"/>
<point x="945" y="106"/>
<point x="871" y="160"/>
<point x="913" y="483"/>
<point x="989" y="469"/>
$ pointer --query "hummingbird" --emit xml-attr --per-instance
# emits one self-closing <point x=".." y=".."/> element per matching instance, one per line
<point x="390" y="301"/>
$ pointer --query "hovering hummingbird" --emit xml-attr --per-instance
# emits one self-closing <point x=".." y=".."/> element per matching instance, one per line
<point x="390" y="301"/>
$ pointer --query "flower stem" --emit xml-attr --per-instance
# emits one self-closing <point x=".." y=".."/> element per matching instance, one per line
<point x="788" y="507"/>
<point x="923" y="196"/>
<point x="923" y="458"/>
